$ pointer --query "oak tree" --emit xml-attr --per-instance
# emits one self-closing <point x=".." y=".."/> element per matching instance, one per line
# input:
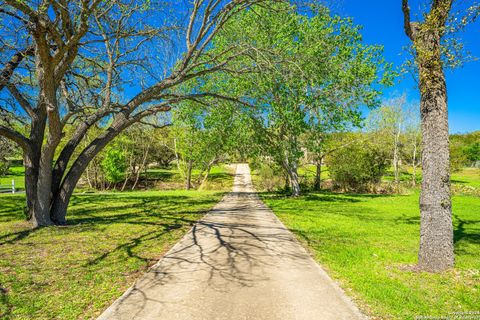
<point x="93" y="63"/>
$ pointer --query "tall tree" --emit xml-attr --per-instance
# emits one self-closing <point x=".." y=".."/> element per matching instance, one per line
<point x="69" y="65"/>
<point x="309" y="70"/>
<point x="388" y="121"/>
<point x="204" y="133"/>
<point x="413" y="140"/>
<point x="436" y="229"/>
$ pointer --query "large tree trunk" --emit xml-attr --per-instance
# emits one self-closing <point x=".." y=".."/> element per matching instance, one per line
<point x="35" y="179"/>
<point x="292" y="174"/>
<point x="44" y="188"/>
<point x="31" y="163"/>
<point x="295" y="182"/>
<point x="61" y="200"/>
<point x="436" y="231"/>
<point x="436" y="252"/>
<point x="30" y="185"/>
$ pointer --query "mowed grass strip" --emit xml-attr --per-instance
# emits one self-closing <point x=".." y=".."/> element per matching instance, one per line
<point x="15" y="173"/>
<point x="76" y="271"/>
<point x="367" y="243"/>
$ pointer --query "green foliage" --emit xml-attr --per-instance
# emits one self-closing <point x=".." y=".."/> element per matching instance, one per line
<point x="268" y="177"/>
<point x="204" y="135"/>
<point x="458" y="158"/>
<point x="357" y="166"/>
<point x="7" y="150"/>
<point x="114" y="165"/>
<point x="464" y="150"/>
<point x="472" y="152"/>
<point x="311" y="73"/>
<point x="4" y="166"/>
<point x="162" y="155"/>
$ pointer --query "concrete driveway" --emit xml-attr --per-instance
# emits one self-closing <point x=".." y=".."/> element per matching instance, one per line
<point x="238" y="262"/>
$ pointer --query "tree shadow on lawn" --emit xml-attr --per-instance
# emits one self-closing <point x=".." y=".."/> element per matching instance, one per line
<point x="162" y="175"/>
<point x="337" y="204"/>
<point x="412" y="220"/>
<point x="325" y="196"/>
<point x="15" y="173"/>
<point x="126" y="196"/>
<point x="140" y="209"/>
<point x="130" y="245"/>
<point x="11" y="207"/>
<point x="14" y="237"/>
<point x="456" y="181"/>
<point x="145" y="210"/>
<point x="5" y="304"/>
<point x="464" y="232"/>
<point x="463" y="229"/>
<point x="219" y="176"/>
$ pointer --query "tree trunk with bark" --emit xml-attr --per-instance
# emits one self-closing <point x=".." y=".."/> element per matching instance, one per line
<point x="207" y="172"/>
<point x="318" y="175"/>
<point x="436" y="229"/>
<point x="292" y="173"/>
<point x="295" y="182"/>
<point x="436" y="252"/>
<point x="61" y="199"/>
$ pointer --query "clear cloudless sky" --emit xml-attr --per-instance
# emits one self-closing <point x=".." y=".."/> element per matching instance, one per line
<point x="382" y="22"/>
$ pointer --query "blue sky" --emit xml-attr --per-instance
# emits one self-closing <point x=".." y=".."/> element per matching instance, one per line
<point x="382" y="22"/>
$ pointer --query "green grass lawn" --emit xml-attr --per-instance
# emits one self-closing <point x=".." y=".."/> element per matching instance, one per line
<point x="16" y="173"/>
<point x="307" y="173"/>
<point x="366" y="241"/>
<point x="467" y="177"/>
<point x="464" y="177"/>
<point x="218" y="179"/>
<point x="76" y="271"/>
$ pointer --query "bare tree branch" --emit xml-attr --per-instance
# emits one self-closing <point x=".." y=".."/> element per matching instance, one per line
<point x="15" y="136"/>
<point x="10" y="67"/>
<point x="407" y="25"/>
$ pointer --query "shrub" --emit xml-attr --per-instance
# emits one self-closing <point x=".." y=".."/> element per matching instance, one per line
<point x="473" y="152"/>
<point x="162" y="155"/>
<point x="269" y="178"/>
<point x="357" y="166"/>
<point x="114" y="166"/>
<point x="6" y="150"/>
<point x="458" y="158"/>
<point x="4" y="166"/>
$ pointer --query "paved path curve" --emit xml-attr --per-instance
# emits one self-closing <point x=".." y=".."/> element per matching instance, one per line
<point x="238" y="262"/>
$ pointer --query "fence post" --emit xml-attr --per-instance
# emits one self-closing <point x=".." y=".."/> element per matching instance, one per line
<point x="13" y="186"/>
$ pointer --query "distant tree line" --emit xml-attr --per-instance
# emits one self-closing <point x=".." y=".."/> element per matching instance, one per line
<point x="465" y="150"/>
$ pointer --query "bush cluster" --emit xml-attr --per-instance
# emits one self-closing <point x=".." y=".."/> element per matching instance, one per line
<point x="358" y="166"/>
